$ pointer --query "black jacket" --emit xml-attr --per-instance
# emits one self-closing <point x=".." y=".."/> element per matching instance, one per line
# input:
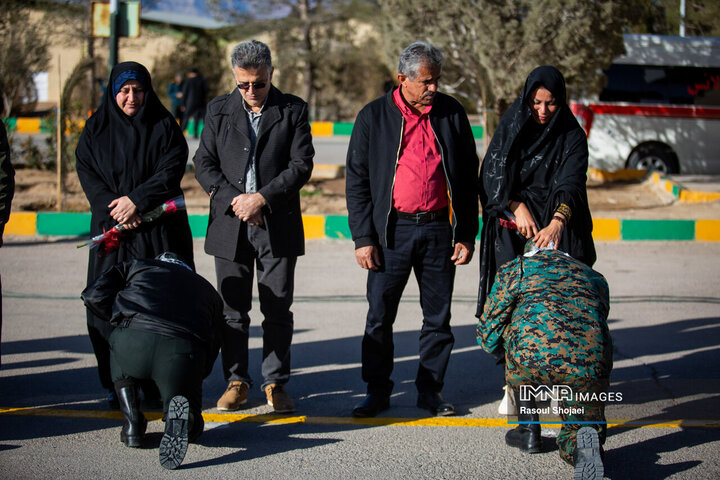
<point x="158" y="297"/>
<point x="372" y="161"/>
<point x="283" y="157"/>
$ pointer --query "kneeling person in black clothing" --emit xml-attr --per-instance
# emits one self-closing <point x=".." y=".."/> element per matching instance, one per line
<point x="167" y="323"/>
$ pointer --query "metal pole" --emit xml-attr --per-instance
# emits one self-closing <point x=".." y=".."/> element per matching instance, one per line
<point x="59" y="128"/>
<point x="682" y="18"/>
<point x="113" y="34"/>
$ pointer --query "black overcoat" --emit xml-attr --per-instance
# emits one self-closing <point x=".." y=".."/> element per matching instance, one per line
<point x="284" y="162"/>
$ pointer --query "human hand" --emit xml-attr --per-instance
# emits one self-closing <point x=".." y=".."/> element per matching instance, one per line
<point x="124" y="212"/>
<point x="368" y="257"/>
<point x="551" y="233"/>
<point x="256" y="220"/>
<point x="248" y="205"/>
<point x="463" y="253"/>
<point x="524" y="219"/>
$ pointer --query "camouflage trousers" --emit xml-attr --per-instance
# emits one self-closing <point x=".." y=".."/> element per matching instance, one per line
<point x="584" y="407"/>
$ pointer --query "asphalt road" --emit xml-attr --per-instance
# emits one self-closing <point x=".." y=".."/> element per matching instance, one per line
<point x="664" y="320"/>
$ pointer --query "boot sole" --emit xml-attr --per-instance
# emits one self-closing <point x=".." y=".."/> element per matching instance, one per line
<point x="174" y="443"/>
<point x="588" y="462"/>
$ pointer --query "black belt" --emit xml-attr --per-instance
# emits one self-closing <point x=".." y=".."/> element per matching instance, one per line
<point x="423" y="217"/>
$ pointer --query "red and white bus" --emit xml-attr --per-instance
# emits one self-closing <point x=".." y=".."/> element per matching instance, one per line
<point x="660" y="108"/>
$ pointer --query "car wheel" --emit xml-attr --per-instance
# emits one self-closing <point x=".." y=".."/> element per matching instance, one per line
<point x="657" y="158"/>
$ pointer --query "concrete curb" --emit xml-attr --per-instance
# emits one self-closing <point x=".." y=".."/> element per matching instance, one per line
<point x="678" y="191"/>
<point x="683" y="194"/>
<point x="318" y="129"/>
<point x="336" y="226"/>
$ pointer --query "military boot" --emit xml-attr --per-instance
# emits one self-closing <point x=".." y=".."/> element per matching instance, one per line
<point x="133" y="430"/>
<point x="525" y="436"/>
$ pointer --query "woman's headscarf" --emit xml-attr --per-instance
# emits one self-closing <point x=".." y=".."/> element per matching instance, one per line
<point x="506" y="147"/>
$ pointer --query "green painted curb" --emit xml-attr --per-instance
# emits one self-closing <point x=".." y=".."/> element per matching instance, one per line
<point x="198" y="225"/>
<point x="65" y="224"/>
<point x="477" y="131"/>
<point x="342" y="128"/>
<point x="336" y="226"/>
<point x="657" y="229"/>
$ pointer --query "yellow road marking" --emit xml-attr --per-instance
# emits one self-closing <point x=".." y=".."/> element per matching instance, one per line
<point x="372" y="422"/>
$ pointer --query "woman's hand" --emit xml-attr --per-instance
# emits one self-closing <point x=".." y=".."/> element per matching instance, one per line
<point x="124" y="211"/>
<point x="551" y="233"/>
<point x="523" y="219"/>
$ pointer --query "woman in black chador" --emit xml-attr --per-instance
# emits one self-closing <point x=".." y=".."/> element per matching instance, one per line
<point x="130" y="159"/>
<point x="532" y="180"/>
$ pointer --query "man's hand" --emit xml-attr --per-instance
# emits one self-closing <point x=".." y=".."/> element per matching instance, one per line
<point x="368" y="257"/>
<point x="248" y="207"/>
<point x="463" y="253"/>
<point x="124" y="211"/>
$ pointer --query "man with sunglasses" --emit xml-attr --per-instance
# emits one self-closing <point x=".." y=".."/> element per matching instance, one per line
<point x="255" y="155"/>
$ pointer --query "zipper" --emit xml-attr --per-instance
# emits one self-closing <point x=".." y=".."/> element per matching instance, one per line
<point x="392" y="187"/>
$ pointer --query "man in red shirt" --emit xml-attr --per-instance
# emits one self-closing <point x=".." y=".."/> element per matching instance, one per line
<point x="412" y="206"/>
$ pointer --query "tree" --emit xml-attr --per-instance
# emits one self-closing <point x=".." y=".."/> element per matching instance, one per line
<point x="24" y="52"/>
<point x="492" y="45"/>
<point x="196" y="49"/>
<point x="311" y="40"/>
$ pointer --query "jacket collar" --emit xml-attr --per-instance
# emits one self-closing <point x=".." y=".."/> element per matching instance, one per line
<point x="238" y="116"/>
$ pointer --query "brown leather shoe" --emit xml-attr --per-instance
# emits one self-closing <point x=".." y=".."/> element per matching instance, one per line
<point x="278" y="398"/>
<point x="235" y="395"/>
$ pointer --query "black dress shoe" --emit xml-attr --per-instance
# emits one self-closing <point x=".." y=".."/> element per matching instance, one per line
<point x="371" y="405"/>
<point x="434" y="402"/>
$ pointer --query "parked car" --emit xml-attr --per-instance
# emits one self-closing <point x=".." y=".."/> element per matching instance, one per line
<point x="660" y="108"/>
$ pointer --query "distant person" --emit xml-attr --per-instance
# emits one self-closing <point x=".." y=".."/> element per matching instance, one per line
<point x="131" y="158"/>
<point x="174" y="91"/>
<point x="194" y="95"/>
<point x="546" y="318"/>
<point x="388" y="84"/>
<point x="7" y="190"/>
<point x="255" y="155"/>
<point x="167" y="328"/>
<point x="412" y="206"/>
<point x="533" y="180"/>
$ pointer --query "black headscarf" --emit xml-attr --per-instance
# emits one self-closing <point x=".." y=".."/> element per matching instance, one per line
<point x="541" y="166"/>
<point x="142" y="156"/>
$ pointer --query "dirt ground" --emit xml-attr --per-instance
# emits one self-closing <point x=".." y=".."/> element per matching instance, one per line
<point x="36" y="191"/>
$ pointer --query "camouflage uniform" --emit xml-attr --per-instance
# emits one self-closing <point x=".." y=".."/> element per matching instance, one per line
<point x="549" y="312"/>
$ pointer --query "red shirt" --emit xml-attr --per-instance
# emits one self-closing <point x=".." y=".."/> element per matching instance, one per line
<point x="419" y="176"/>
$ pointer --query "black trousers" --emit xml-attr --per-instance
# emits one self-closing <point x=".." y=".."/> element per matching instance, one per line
<point x="176" y="365"/>
<point x="425" y="249"/>
<point x="276" y="283"/>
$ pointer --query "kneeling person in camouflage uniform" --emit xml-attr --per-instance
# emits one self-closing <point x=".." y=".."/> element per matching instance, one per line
<point x="168" y="324"/>
<point x="546" y="317"/>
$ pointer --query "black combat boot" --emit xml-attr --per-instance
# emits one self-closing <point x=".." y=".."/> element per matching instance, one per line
<point x="525" y="436"/>
<point x="133" y="431"/>
<point x="197" y="425"/>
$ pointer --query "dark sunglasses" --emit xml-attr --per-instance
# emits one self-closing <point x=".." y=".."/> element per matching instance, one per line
<point x="255" y="85"/>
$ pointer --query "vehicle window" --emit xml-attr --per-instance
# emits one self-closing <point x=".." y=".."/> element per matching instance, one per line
<point x="657" y="84"/>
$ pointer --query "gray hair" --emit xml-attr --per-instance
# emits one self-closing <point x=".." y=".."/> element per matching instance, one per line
<point x="417" y="54"/>
<point x="251" y="54"/>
